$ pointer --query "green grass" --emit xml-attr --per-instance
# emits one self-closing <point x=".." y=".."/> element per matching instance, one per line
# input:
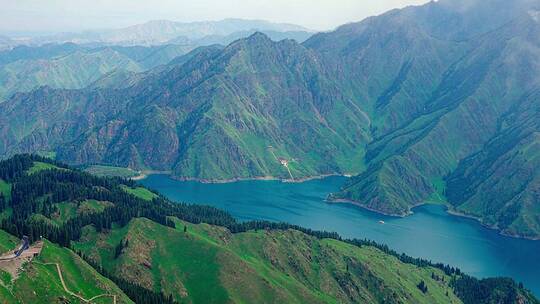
<point x="177" y="263"/>
<point x="5" y="189"/>
<point x="40" y="283"/>
<point x="6" y="213"/>
<point x="5" y="278"/>
<point x="47" y="154"/>
<point x="38" y="217"/>
<point x="66" y="211"/>
<point x="209" y="264"/>
<point x="140" y="192"/>
<point x="7" y="242"/>
<point x="438" y="196"/>
<point x="6" y="296"/>
<point x="112" y="171"/>
<point x="39" y="166"/>
<point x="93" y="206"/>
<point x="402" y="277"/>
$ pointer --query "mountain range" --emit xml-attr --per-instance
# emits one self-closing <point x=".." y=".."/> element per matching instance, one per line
<point x="428" y="103"/>
<point x="70" y="66"/>
<point x="76" y="60"/>
<point x="160" y="32"/>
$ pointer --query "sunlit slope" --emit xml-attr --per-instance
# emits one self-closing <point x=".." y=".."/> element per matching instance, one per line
<point x="209" y="264"/>
<point x="39" y="280"/>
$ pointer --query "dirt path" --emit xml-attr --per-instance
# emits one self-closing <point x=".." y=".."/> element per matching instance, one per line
<point x="282" y="161"/>
<point x="71" y="292"/>
<point x="286" y="165"/>
<point x="13" y="265"/>
<point x="272" y="151"/>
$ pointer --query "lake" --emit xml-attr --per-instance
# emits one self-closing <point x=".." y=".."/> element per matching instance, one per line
<point x="429" y="233"/>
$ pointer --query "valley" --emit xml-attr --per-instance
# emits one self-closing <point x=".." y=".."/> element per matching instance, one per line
<point x="391" y="156"/>
<point x="136" y="245"/>
<point x="482" y="252"/>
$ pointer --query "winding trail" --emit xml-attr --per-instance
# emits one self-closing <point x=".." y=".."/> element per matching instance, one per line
<point x="12" y="263"/>
<point x="72" y="293"/>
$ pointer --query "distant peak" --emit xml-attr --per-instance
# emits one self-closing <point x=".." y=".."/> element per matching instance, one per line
<point x="255" y="40"/>
<point x="259" y="36"/>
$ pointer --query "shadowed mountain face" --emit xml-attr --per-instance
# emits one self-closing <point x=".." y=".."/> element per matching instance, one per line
<point x="501" y="183"/>
<point x="409" y="100"/>
<point x="443" y="124"/>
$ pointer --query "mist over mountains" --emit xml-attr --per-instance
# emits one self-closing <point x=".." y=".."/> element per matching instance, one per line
<point x="159" y="32"/>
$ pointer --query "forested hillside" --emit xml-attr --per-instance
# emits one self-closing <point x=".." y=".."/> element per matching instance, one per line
<point x="157" y="251"/>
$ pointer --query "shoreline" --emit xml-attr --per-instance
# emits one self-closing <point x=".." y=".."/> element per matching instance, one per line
<point x="144" y="174"/>
<point x="257" y="178"/>
<point x="448" y="210"/>
<point x="491" y="227"/>
<point x="358" y="204"/>
<point x="138" y="177"/>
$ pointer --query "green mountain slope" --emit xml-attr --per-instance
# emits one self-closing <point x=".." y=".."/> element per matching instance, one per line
<point x="7" y="242"/>
<point x="159" y="252"/>
<point x="209" y="264"/>
<point x="459" y="117"/>
<point x="46" y="51"/>
<point x="75" y="70"/>
<point x="500" y="184"/>
<point x="73" y="67"/>
<point x="400" y="99"/>
<point x="288" y="107"/>
<point x="39" y="281"/>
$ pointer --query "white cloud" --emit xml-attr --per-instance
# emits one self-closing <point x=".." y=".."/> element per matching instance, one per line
<point x="75" y="15"/>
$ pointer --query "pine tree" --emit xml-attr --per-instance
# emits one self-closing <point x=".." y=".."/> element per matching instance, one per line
<point x="422" y="286"/>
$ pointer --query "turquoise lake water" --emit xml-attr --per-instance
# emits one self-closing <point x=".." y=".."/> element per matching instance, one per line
<point x="429" y="233"/>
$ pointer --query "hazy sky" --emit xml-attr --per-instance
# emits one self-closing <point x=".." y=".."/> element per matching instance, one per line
<point x="75" y="15"/>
